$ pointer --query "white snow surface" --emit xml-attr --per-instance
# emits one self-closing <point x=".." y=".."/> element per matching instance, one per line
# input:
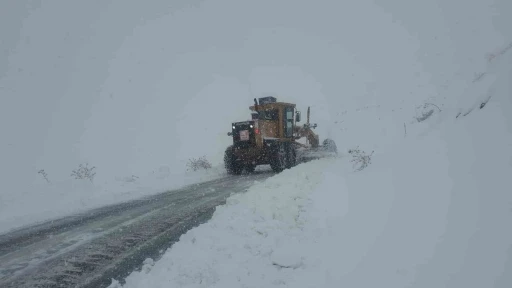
<point x="433" y="209"/>
<point x="138" y="88"/>
<point x="46" y="201"/>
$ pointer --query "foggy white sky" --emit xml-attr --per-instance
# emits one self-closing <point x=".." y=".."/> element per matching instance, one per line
<point x="129" y="85"/>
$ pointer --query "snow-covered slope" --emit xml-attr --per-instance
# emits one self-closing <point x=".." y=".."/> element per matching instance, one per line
<point x="431" y="210"/>
<point x="132" y="87"/>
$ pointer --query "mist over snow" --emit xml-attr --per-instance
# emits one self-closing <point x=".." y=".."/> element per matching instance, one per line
<point x="136" y="87"/>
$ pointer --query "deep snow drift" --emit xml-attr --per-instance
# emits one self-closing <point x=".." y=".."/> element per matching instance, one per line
<point x="433" y="209"/>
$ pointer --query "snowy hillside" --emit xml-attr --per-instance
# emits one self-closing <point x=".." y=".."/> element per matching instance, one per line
<point x="431" y="210"/>
<point x="138" y="88"/>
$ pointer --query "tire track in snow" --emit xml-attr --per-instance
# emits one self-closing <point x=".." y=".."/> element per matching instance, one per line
<point x="89" y="249"/>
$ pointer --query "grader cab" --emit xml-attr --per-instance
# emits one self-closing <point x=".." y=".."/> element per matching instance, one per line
<point x="272" y="137"/>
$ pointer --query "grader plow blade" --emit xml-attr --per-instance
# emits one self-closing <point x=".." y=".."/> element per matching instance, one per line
<point x="327" y="150"/>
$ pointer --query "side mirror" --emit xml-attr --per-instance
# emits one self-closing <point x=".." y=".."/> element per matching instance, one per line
<point x="230" y="133"/>
<point x="297" y="116"/>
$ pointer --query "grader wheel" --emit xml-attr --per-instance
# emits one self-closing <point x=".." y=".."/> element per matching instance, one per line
<point x="232" y="166"/>
<point x="278" y="157"/>
<point x="284" y="156"/>
<point x="291" y="156"/>
<point x="330" y="146"/>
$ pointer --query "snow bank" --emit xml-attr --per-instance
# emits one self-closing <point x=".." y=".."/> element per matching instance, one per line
<point x="45" y="201"/>
<point x="432" y="210"/>
<point x="246" y="239"/>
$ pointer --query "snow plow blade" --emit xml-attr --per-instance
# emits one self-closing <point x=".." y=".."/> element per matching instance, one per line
<point x="327" y="150"/>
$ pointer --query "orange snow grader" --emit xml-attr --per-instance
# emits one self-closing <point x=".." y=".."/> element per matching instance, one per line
<point x="273" y="136"/>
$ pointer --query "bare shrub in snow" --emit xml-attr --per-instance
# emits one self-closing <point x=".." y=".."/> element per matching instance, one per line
<point x="424" y="116"/>
<point x="423" y="112"/>
<point x="200" y="163"/>
<point x="360" y="159"/>
<point x="84" y="172"/>
<point x="44" y="174"/>
<point x="478" y="76"/>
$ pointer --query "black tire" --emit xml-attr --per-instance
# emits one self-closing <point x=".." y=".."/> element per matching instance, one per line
<point x="330" y="146"/>
<point x="250" y="168"/>
<point x="278" y="157"/>
<point x="291" y="156"/>
<point x="230" y="163"/>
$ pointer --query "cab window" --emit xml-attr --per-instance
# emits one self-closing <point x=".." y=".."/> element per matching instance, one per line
<point x="269" y="114"/>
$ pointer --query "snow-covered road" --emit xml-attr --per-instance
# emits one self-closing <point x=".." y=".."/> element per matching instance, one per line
<point x="91" y="248"/>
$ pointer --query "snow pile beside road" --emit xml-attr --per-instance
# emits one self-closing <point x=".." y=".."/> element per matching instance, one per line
<point x="432" y="210"/>
<point x="46" y="201"/>
<point x="246" y="239"/>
